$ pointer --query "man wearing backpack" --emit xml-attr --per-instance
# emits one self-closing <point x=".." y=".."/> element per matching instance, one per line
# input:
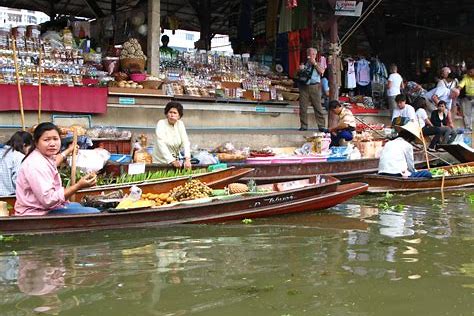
<point x="309" y="84"/>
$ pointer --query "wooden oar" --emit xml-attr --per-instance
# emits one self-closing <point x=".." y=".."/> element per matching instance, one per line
<point x="424" y="144"/>
<point x="73" y="161"/>
<point x="18" y="85"/>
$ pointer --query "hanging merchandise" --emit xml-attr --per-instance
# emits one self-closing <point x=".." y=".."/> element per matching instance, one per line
<point x="291" y="4"/>
<point x="350" y="74"/>
<point x="363" y="72"/>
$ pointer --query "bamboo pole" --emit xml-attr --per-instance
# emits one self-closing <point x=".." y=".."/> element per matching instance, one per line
<point x="18" y="85"/>
<point x="39" y="83"/>
<point x="73" y="162"/>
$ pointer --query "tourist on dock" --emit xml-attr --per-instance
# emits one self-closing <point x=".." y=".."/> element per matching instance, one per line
<point x="447" y="79"/>
<point x="425" y="124"/>
<point x="38" y="189"/>
<point x="394" y="87"/>
<point x="403" y="112"/>
<point x="345" y="128"/>
<point x="11" y="156"/>
<point x="445" y="92"/>
<point x="467" y="101"/>
<point x="439" y="119"/>
<point x="171" y="138"/>
<point x="310" y="91"/>
<point x="397" y="157"/>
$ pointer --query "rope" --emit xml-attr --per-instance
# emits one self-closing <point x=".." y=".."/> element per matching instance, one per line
<point x="361" y="20"/>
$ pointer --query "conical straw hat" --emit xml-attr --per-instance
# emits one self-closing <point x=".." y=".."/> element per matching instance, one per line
<point x="413" y="128"/>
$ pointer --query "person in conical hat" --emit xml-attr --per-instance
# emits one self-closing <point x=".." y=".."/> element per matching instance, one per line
<point x="397" y="158"/>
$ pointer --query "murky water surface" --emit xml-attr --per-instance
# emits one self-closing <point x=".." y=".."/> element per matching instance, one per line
<point x="355" y="259"/>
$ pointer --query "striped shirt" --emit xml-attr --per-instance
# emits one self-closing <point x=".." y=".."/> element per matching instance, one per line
<point x="9" y="166"/>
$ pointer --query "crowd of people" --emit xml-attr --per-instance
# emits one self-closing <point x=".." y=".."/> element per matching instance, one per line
<point x="410" y="105"/>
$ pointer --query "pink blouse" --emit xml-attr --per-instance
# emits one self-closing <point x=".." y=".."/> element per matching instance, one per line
<point x="38" y="186"/>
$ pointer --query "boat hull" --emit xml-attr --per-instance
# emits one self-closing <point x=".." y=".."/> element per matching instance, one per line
<point x="310" y="198"/>
<point x="345" y="170"/>
<point x="216" y="180"/>
<point x="381" y="184"/>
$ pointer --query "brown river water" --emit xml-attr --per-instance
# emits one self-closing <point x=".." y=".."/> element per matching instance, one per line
<point x="369" y="256"/>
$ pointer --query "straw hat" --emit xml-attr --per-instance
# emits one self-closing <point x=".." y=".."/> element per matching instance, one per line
<point x="413" y="128"/>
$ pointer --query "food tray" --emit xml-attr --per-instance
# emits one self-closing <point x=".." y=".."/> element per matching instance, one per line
<point x="259" y="160"/>
<point x="286" y="160"/>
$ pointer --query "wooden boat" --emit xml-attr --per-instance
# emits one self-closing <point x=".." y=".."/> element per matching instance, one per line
<point x="215" y="179"/>
<point x="382" y="184"/>
<point x="292" y="197"/>
<point x="345" y="170"/>
<point x="461" y="152"/>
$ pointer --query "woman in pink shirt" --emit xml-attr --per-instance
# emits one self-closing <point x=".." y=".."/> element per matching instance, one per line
<point x="38" y="189"/>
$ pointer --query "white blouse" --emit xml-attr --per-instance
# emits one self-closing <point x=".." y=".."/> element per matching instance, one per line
<point x="169" y="140"/>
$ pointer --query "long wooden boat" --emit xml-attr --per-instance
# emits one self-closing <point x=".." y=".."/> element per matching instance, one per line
<point x="461" y="152"/>
<point x="215" y="179"/>
<point x="382" y="184"/>
<point x="293" y="197"/>
<point x="345" y="170"/>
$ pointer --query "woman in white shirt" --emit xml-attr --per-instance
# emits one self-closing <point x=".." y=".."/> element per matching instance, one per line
<point x="426" y="126"/>
<point x="171" y="137"/>
<point x="11" y="156"/>
<point x="397" y="158"/>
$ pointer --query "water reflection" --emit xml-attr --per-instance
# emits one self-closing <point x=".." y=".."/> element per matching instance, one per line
<point x="314" y="264"/>
<point x="38" y="277"/>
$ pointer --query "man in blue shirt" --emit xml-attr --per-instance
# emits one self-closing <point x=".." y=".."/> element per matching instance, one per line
<point x="310" y="92"/>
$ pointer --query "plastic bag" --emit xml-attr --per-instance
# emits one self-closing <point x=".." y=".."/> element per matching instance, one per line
<point x="205" y="158"/>
<point x="91" y="160"/>
<point x="135" y="193"/>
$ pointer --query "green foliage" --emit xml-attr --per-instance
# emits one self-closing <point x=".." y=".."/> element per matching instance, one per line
<point x="130" y="178"/>
<point x="6" y="238"/>
<point x="247" y="221"/>
<point x="386" y="204"/>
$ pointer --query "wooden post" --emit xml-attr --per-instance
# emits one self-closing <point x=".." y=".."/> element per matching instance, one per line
<point x="153" y="37"/>
<point x="18" y="85"/>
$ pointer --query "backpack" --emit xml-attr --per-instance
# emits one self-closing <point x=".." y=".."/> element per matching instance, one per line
<point x="304" y="75"/>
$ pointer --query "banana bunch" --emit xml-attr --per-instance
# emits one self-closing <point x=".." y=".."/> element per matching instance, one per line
<point x="173" y="23"/>
<point x="461" y="170"/>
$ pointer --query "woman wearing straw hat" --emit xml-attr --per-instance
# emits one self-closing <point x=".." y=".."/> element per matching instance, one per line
<point x="397" y="158"/>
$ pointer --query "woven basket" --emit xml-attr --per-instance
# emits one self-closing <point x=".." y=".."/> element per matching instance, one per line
<point x="290" y="96"/>
<point x="152" y="84"/>
<point x="135" y="64"/>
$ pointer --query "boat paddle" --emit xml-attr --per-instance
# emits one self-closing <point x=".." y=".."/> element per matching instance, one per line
<point x="73" y="161"/>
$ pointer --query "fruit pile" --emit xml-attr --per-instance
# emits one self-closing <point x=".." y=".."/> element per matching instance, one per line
<point x="193" y="189"/>
<point x="158" y="199"/>
<point x="461" y="170"/>
<point x="453" y="171"/>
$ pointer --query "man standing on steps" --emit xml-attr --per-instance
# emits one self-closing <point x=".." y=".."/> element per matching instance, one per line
<point x="310" y="91"/>
<point x="467" y="102"/>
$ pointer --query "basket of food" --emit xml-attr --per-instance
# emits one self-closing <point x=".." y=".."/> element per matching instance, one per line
<point x="152" y="84"/>
<point x="290" y="96"/>
<point x="132" y="58"/>
<point x="132" y="64"/>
